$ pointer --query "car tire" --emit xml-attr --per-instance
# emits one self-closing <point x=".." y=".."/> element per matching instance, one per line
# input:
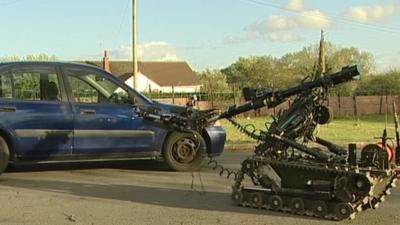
<point x="4" y="155"/>
<point x="184" y="151"/>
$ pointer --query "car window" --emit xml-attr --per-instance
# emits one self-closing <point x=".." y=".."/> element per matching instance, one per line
<point x="90" y="87"/>
<point x="26" y="85"/>
<point x="82" y="91"/>
<point x="30" y="84"/>
<point x="5" y="86"/>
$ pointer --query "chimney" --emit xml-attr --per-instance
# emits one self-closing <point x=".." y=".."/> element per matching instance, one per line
<point x="106" y="62"/>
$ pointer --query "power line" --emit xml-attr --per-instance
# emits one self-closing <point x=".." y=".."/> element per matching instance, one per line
<point x="134" y="46"/>
<point x="331" y="17"/>
<point x="264" y="3"/>
<point x="123" y="20"/>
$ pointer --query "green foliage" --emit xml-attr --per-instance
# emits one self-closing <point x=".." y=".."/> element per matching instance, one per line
<point x="338" y="57"/>
<point x="40" y="57"/>
<point x="380" y="84"/>
<point x="292" y="68"/>
<point x="30" y="57"/>
<point x="213" y="81"/>
<point x="259" y="71"/>
<point x="27" y="86"/>
<point x="302" y="62"/>
<point x="9" y="58"/>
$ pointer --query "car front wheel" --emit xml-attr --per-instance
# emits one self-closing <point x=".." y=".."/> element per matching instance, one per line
<point x="4" y="154"/>
<point x="184" y="151"/>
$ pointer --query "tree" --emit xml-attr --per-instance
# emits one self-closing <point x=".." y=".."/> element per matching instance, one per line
<point x="27" y="84"/>
<point x="292" y="68"/>
<point x="40" y="57"/>
<point x="338" y="57"/>
<point x="380" y="84"/>
<point x="256" y="71"/>
<point x="9" y="58"/>
<point x="29" y="57"/>
<point x="237" y="72"/>
<point x="213" y="81"/>
<point x="301" y="63"/>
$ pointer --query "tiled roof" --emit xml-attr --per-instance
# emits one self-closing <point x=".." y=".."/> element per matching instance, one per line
<point x="162" y="73"/>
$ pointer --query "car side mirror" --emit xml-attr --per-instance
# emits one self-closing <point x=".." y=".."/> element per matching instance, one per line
<point x="192" y="101"/>
<point x="132" y="100"/>
<point x="98" y="78"/>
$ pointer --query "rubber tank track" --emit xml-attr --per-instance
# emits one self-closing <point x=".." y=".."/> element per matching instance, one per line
<point x="318" y="204"/>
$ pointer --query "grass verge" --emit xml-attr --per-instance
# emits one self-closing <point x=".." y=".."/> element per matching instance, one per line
<point x="340" y="130"/>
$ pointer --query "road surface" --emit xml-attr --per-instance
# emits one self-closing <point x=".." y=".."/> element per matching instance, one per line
<point x="142" y="192"/>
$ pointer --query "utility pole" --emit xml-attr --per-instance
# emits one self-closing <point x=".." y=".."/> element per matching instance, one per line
<point x="135" y="79"/>
<point x="321" y="58"/>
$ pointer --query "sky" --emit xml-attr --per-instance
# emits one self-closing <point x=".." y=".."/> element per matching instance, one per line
<point x="205" y="33"/>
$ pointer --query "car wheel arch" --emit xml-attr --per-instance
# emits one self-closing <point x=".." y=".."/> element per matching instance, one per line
<point x="169" y="157"/>
<point x="207" y="139"/>
<point x="7" y="136"/>
<point x="203" y="134"/>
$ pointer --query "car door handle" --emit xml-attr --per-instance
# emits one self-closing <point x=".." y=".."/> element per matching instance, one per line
<point x="88" y="111"/>
<point x="8" y="108"/>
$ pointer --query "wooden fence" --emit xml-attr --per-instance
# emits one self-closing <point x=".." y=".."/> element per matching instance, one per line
<point x="340" y="105"/>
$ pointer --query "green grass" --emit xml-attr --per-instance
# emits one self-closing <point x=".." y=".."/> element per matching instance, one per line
<point x="340" y="130"/>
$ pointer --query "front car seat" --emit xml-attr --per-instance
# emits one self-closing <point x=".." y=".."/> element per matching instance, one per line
<point x="52" y="92"/>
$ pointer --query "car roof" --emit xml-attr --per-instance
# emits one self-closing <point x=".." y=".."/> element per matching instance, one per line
<point x="5" y="64"/>
<point x="60" y="63"/>
<point x="48" y="63"/>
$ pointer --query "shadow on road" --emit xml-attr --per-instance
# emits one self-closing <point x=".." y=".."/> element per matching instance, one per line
<point x="184" y="199"/>
<point x="150" y="165"/>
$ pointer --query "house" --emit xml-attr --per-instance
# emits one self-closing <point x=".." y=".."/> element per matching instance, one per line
<point x="163" y="77"/>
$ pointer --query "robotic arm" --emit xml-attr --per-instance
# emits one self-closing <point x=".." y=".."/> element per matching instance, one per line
<point x="259" y="98"/>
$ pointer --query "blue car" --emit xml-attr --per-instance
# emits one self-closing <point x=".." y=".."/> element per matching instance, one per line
<point x="54" y="111"/>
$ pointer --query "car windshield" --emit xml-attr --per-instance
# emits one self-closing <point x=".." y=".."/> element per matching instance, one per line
<point x="104" y="86"/>
<point x="144" y="97"/>
<point x="91" y="86"/>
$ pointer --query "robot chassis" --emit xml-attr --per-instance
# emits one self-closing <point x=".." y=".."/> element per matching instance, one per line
<point x="287" y="175"/>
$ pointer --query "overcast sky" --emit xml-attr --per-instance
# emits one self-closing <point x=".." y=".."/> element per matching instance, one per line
<point x="206" y="33"/>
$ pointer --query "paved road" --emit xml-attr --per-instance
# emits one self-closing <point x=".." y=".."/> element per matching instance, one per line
<point x="141" y="192"/>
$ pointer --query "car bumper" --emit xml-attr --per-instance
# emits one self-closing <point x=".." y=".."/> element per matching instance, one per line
<point x="215" y="138"/>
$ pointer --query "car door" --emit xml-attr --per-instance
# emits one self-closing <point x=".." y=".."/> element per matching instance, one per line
<point x="35" y="110"/>
<point x="104" y="119"/>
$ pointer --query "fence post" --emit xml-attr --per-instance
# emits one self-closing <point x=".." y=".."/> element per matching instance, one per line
<point x="386" y="104"/>
<point x="212" y="100"/>
<point x="173" y="94"/>
<point x="234" y="95"/>
<point x="339" y="105"/>
<point x="397" y="103"/>
<point x="355" y="105"/>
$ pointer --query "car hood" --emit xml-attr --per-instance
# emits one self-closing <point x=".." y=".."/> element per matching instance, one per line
<point x="185" y="118"/>
<point x="171" y="108"/>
